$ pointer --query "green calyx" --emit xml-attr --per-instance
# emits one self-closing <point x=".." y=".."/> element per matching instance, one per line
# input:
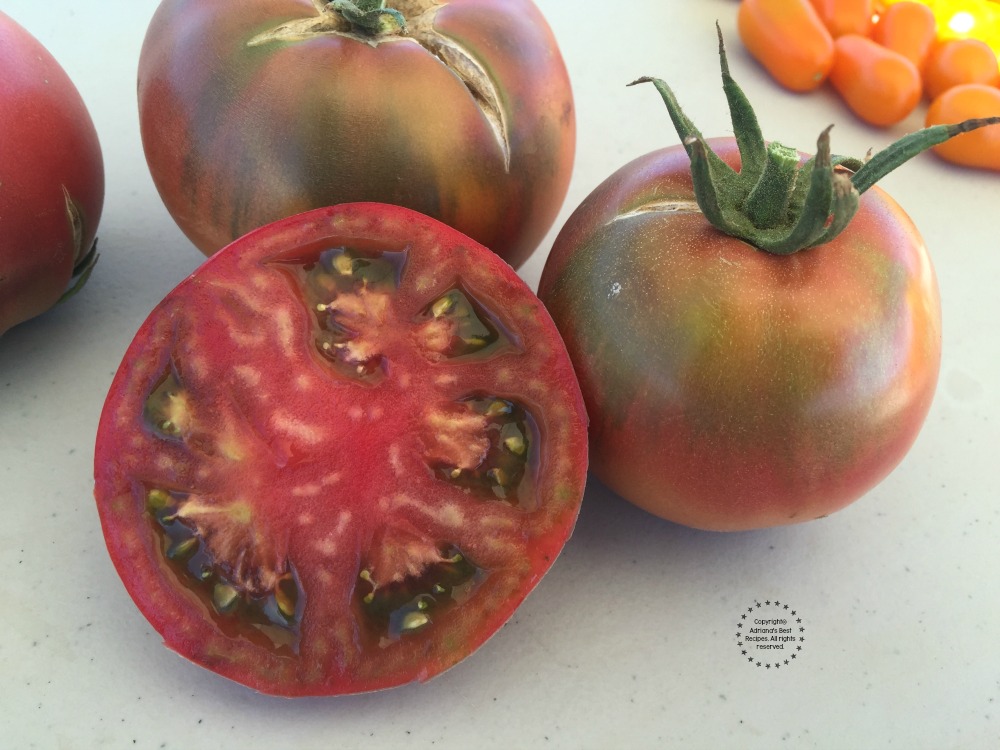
<point x="81" y="273"/>
<point x="776" y="202"/>
<point x="370" y="17"/>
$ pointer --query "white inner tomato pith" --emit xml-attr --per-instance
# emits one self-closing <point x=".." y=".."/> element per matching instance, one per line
<point x="342" y="460"/>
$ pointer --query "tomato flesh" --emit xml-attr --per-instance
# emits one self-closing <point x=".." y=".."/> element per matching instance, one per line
<point x="729" y="388"/>
<point x="339" y="455"/>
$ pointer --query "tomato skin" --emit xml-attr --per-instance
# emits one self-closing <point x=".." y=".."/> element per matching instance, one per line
<point x="49" y="152"/>
<point x="730" y="389"/>
<point x="980" y="148"/>
<point x="237" y="136"/>
<point x="789" y="39"/>
<point x="325" y="467"/>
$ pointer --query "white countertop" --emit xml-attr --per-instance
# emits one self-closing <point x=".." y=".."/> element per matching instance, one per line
<point x="629" y="641"/>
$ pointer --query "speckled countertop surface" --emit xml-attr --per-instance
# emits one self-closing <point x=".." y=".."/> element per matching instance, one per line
<point x="629" y="642"/>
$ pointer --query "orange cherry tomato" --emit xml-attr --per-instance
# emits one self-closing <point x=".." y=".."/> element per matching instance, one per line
<point x="881" y="86"/>
<point x="845" y="16"/>
<point x="980" y="148"/>
<point x="788" y="38"/>
<point x="908" y="28"/>
<point x="956" y="61"/>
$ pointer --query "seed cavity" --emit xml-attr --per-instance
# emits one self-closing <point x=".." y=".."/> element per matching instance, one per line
<point x="457" y="326"/>
<point x="350" y="290"/>
<point x="484" y="444"/>
<point x="167" y="409"/>
<point x="408" y="602"/>
<point x="249" y="603"/>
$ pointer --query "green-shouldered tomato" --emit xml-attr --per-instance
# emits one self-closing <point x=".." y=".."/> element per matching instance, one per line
<point x="736" y="382"/>
<point x="253" y="110"/>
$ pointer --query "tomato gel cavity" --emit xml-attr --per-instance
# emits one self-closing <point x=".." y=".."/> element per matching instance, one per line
<point x="338" y="456"/>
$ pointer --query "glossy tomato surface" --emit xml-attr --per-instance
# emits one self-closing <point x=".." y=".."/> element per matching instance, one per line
<point x="339" y="455"/>
<point x="732" y="389"/>
<point x="252" y="110"/>
<point x="51" y="178"/>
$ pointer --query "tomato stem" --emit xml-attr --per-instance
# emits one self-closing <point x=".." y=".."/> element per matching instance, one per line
<point x="768" y="201"/>
<point x="777" y="202"/>
<point x="370" y="17"/>
<point x="909" y="146"/>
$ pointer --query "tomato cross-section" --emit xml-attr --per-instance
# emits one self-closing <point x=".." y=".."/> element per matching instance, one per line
<point x="339" y="455"/>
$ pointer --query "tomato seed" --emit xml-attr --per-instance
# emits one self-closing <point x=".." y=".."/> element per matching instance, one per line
<point x="183" y="549"/>
<point x="442" y="306"/>
<point x="499" y="408"/>
<point x="515" y="445"/>
<point x="343" y="264"/>
<point x="413" y="621"/>
<point x="499" y="476"/>
<point x="286" y="596"/>
<point x="225" y="598"/>
<point x="157" y="500"/>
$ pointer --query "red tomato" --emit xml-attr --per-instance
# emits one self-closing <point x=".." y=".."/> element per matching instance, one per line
<point x="339" y="455"/>
<point x="252" y="110"/>
<point x="732" y="388"/>
<point x="51" y="179"/>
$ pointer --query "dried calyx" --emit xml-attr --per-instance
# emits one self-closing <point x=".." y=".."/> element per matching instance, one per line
<point x="775" y="201"/>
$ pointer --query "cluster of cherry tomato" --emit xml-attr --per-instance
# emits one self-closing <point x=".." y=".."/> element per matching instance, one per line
<point x="883" y="59"/>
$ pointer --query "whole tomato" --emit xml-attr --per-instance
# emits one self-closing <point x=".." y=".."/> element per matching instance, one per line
<point x="252" y="110"/>
<point x="51" y="179"/>
<point x="338" y="456"/>
<point x="737" y="382"/>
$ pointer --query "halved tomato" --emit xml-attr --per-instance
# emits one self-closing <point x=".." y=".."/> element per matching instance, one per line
<point x="338" y="456"/>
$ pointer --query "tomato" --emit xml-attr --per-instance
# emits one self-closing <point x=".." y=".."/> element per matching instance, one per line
<point x="954" y="62"/>
<point x="908" y="28"/>
<point x="732" y="388"/>
<point x="978" y="149"/>
<point x="51" y="179"/>
<point x="252" y="110"/>
<point x="338" y="456"/>
<point x="789" y="39"/>
<point x="880" y="85"/>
